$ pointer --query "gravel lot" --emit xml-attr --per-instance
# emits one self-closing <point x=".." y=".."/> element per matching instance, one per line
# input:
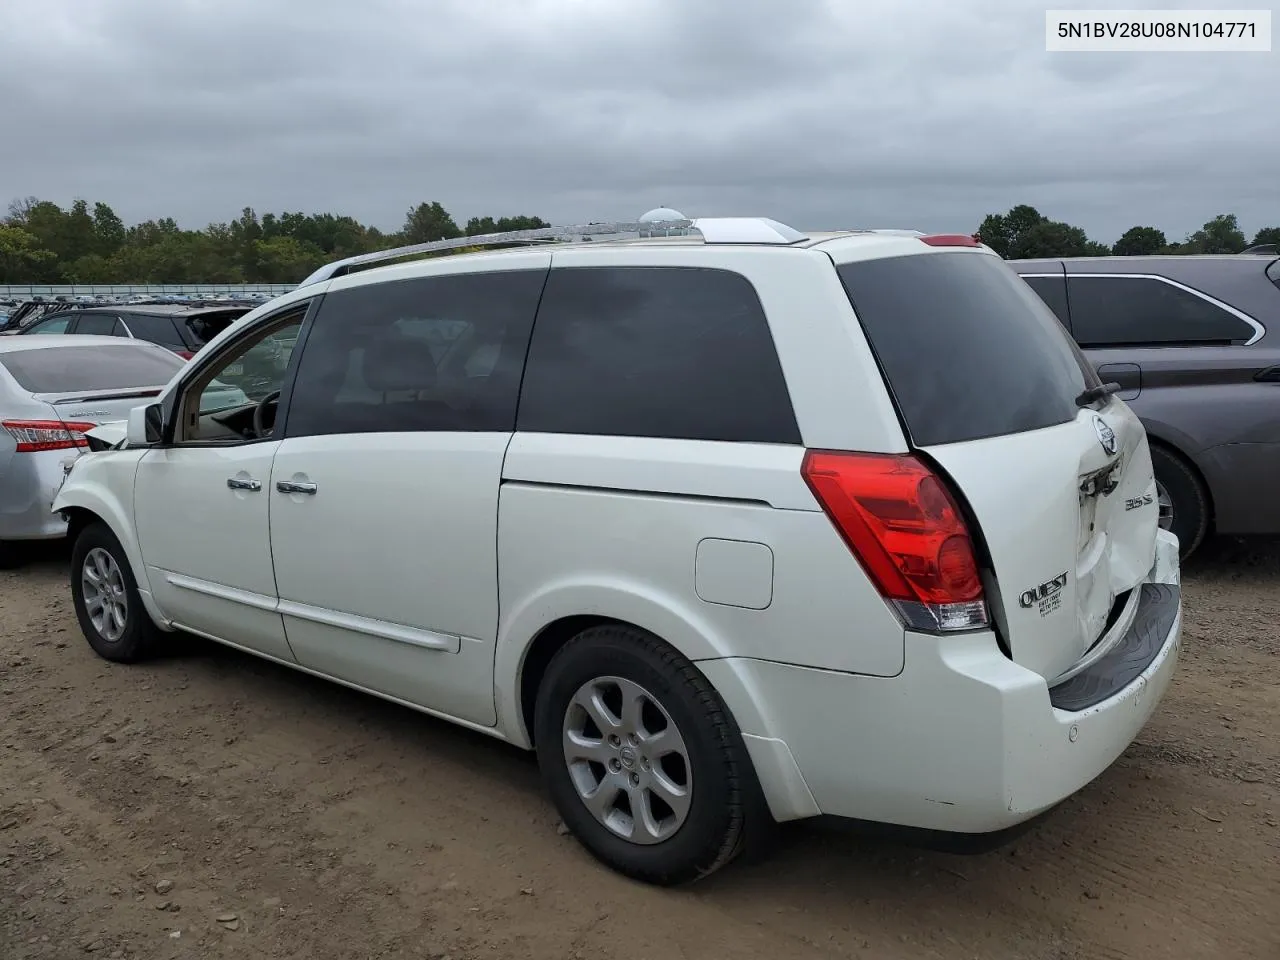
<point x="212" y="805"/>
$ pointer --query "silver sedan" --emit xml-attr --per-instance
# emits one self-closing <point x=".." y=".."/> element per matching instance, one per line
<point x="53" y="390"/>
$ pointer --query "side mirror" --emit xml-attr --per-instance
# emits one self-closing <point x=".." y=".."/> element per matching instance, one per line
<point x="146" y="426"/>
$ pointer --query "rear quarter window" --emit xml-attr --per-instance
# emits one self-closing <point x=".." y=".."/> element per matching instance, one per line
<point x="1147" y="311"/>
<point x="84" y="368"/>
<point x="967" y="348"/>
<point x="682" y="353"/>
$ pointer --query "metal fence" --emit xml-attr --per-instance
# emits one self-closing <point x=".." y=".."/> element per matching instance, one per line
<point x="25" y="290"/>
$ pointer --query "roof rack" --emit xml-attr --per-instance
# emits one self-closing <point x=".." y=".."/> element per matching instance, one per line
<point x="711" y="230"/>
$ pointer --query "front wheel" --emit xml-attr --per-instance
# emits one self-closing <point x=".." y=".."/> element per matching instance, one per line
<point x="106" y="598"/>
<point x="642" y="759"/>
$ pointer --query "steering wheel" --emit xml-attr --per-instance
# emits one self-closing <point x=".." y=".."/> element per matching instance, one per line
<point x="260" y="414"/>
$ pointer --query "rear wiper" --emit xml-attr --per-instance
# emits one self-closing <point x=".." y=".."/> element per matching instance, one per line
<point x="1094" y="394"/>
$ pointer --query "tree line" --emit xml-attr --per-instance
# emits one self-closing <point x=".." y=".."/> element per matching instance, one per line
<point x="40" y="242"/>
<point x="1024" y="233"/>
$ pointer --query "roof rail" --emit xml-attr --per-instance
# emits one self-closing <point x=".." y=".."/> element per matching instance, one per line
<point x="711" y="230"/>
<point x="1263" y="249"/>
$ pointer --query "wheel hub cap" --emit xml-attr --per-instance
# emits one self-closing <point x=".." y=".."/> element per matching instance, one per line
<point x="1165" y="503"/>
<point x="105" y="600"/>
<point x="627" y="760"/>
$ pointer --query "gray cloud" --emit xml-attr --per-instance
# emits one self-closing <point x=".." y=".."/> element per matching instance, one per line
<point x="821" y="113"/>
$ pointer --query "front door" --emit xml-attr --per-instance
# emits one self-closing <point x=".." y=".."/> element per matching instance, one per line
<point x="384" y="492"/>
<point x="201" y="502"/>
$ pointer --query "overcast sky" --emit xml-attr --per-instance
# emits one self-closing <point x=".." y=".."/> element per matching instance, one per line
<point x="821" y="113"/>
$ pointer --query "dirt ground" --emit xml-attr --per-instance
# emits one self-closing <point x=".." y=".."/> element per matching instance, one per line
<point x="212" y="805"/>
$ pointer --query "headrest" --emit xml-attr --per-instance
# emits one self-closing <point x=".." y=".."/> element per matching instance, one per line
<point x="394" y="362"/>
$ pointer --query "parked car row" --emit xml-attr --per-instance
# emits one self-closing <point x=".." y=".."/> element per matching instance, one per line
<point x="731" y="528"/>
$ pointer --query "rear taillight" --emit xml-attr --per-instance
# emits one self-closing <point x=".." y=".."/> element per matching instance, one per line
<point x="952" y="240"/>
<point x="906" y="530"/>
<point x="33" y="436"/>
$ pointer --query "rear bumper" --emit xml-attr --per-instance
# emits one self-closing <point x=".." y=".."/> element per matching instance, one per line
<point x="962" y="740"/>
<point x="28" y="484"/>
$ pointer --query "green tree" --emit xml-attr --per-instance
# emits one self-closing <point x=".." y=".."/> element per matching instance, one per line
<point x="1266" y="235"/>
<point x="21" y="256"/>
<point x="481" y="225"/>
<point x="1140" y="241"/>
<point x="286" y="260"/>
<point x="1025" y="233"/>
<point x="1222" y="234"/>
<point x="109" y="230"/>
<point x="427" y="222"/>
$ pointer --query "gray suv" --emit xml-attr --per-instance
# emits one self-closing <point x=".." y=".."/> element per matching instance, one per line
<point x="1186" y="337"/>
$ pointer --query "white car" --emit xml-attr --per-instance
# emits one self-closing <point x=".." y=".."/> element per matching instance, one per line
<point x="732" y="526"/>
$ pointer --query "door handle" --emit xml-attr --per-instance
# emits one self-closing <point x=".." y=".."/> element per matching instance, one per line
<point x="242" y="483"/>
<point x="293" y="486"/>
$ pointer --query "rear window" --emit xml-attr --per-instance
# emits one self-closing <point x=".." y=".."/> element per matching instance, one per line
<point x="1273" y="272"/>
<point x="77" y="368"/>
<point x="967" y="348"/>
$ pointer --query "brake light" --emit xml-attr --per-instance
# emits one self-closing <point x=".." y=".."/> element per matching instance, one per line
<point x="34" y="436"/>
<point x="184" y="354"/>
<point x="906" y="530"/>
<point x="952" y="240"/>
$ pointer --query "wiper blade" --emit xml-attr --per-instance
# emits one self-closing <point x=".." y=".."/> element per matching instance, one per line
<point x="1094" y="394"/>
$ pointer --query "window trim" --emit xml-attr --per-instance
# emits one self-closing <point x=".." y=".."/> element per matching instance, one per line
<point x="172" y="403"/>
<point x="1258" y="329"/>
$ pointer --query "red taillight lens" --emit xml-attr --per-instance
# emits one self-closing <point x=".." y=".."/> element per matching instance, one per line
<point x="905" y="528"/>
<point x="184" y="354"/>
<point x="33" y="436"/>
<point x="951" y="240"/>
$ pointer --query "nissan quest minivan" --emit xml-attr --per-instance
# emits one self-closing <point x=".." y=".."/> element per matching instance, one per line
<point x="731" y="525"/>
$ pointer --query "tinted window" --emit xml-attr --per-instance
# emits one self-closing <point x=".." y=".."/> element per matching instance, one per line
<point x="76" y="368"/>
<point x="56" y="324"/>
<point x="967" y="348"/>
<point x="1140" y="310"/>
<point x="1053" y="291"/>
<point x="154" y="327"/>
<point x="1273" y="272"/>
<point x="206" y="326"/>
<point x="436" y="353"/>
<point x="677" y="352"/>
<point x="98" y="324"/>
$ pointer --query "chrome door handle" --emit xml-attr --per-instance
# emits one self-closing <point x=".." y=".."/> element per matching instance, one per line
<point x="292" y="486"/>
<point x="240" y="483"/>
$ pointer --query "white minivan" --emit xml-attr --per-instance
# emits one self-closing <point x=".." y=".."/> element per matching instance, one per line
<point x="733" y="525"/>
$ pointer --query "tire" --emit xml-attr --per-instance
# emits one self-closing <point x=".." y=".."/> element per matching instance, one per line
<point x="708" y="761"/>
<point x="1186" y="497"/>
<point x="128" y="637"/>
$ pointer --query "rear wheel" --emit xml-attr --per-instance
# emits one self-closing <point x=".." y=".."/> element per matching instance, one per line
<point x="1184" y="504"/>
<point x="642" y="759"/>
<point x="106" y="598"/>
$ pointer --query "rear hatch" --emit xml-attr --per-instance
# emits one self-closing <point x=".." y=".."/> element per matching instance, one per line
<point x="1055" y="473"/>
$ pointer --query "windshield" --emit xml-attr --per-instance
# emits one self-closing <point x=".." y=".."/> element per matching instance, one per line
<point x="967" y="348"/>
<point x="71" y="369"/>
